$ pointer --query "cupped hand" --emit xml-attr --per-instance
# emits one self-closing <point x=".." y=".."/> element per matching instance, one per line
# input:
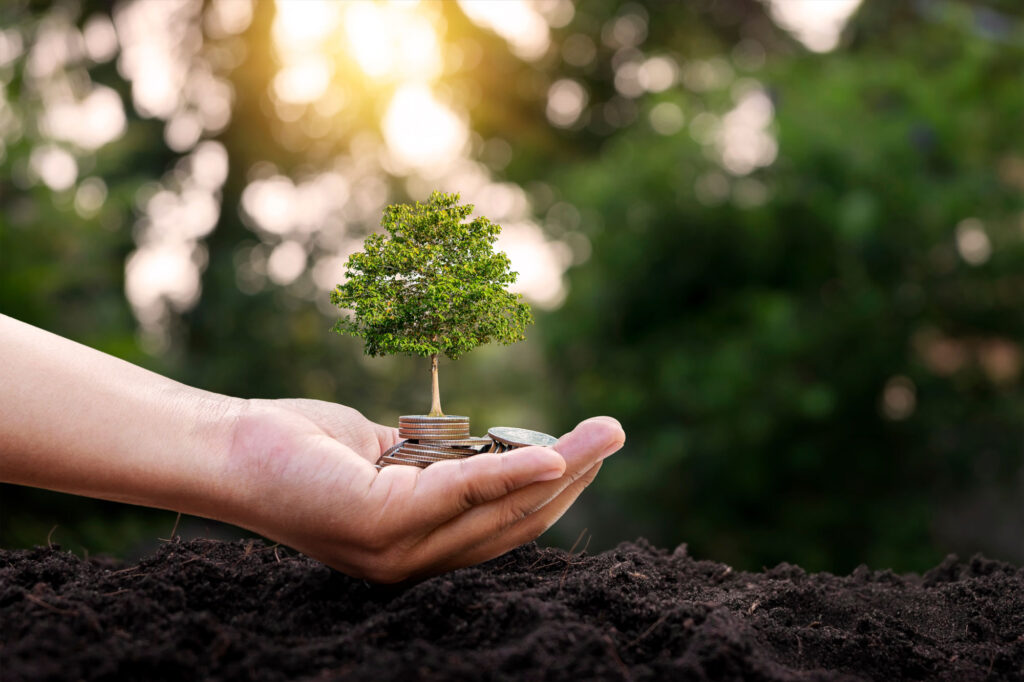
<point x="303" y="475"/>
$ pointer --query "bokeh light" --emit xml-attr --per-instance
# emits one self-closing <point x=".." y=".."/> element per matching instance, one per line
<point x="816" y="23"/>
<point x="422" y="132"/>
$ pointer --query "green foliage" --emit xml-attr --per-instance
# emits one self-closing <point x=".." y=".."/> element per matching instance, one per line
<point x="433" y="285"/>
<point x="750" y="338"/>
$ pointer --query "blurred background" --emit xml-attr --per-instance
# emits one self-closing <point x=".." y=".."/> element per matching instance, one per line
<point x="781" y="240"/>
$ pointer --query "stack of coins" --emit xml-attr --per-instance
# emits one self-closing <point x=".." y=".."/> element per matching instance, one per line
<point x="420" y="427"/>
<point x="432" y="439"/>
<point x="426" y="440"/>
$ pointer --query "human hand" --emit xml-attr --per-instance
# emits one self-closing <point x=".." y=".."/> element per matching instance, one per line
<point x="304" y="475"/>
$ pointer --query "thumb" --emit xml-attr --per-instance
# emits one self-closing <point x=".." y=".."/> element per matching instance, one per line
<point x="446" y="489"/>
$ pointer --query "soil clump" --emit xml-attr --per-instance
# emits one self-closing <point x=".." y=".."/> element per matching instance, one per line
<point x="249" y="611"/>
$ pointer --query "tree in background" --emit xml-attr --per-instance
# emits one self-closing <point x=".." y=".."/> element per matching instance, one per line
<point x="432" y="286"/>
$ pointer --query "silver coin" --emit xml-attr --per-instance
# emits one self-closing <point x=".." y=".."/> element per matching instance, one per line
<point x="421" y="459"/>
<point x="390" y="451"/>
<point x="393" y="448"/>
<point x="431" y="435"/>
<point x="393" y="459"/>
<point x="511" y="435"/>
<point x="471" y="442"/>
<point x="441" y="454"/>
<point x="430" y="447"/>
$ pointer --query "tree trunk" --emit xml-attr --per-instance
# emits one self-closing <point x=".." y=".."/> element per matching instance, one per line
<point x="435" y="393"/>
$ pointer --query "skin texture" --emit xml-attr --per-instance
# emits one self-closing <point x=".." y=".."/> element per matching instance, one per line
<point x="297" y="471"/>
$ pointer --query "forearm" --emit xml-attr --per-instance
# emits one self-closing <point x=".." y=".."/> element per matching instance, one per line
<point x="80" y="421"/>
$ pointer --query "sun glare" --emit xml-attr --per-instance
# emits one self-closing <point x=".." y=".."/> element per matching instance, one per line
<point x="816" y="23"/>
<point x="517" y="21"/>
<point x="392" y="41"/>
<point x="421" y="131"/>
<point x="303" y="24"/>
<point x="396" y="51"/>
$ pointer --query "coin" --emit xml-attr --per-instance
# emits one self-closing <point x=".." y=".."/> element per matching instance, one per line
<point x="424" y="419"/>
<point x="422" y="438"/>
<point x="418" y="457"/>
<point x="432" y="435"/>
<point x="471" y="442"/>
<point x="418" y="425"/>
<point x="435" y="425"/>
<point x="390" y="451"/>
<point x="393" y="448"/>
<point x="391" y="459"/>
<point x="441" y="454"/>
<point x="426" y="440"/>
<point x="432" y="446"/>
<point x="520" y="438"/>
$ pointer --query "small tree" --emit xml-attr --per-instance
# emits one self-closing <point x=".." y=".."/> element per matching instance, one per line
<point x="433" y="285"/>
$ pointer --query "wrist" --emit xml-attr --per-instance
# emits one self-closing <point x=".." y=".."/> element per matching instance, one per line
<point x="210" y="485"/>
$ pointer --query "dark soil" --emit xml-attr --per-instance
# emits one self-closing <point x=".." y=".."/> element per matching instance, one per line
<point x="210" y="610"/>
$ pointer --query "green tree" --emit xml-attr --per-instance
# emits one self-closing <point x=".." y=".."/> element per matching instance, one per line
<point x="433" y="285"/>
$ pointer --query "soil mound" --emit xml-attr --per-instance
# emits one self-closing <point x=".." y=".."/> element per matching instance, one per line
<point x="238" y="611"/>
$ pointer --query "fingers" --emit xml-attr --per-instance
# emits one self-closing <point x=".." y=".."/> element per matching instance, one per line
<point x="347" y="426"/>
<point x="447" y="489"/>
<point x="581" y="450"/>
<point x="591" y="441"/>
<point x="529" y="528"/>
<point x="386" y="437"/>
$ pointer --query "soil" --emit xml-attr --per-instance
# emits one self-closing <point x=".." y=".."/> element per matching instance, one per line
<point x="235" y="611"/>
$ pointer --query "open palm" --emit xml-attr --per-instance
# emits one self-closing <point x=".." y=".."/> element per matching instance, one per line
<point x="307" y="469"/>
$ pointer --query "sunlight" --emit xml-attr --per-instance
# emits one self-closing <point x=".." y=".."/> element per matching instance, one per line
<point x="161" y="274"/>
<point x="514" y="20"/>
<point x="972" y="241"/>
<point x="396" y="47"/>
<point x="421" y="131"/>
<point x="566" y="100"/>
<point x="286" y="262"/>
<point x="302" y="24"/>
<point x="305" y="80"/>
<point x="815" y="23"/>
<point x="392" y="41"/>
<point x="89" y="123"/>
<point x="54" y="166"/>
<point x="539" y="262"/>
<point x="745" y="140"/>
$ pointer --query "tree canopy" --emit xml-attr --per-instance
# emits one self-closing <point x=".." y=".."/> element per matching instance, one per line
<point x="433" y="285"/>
